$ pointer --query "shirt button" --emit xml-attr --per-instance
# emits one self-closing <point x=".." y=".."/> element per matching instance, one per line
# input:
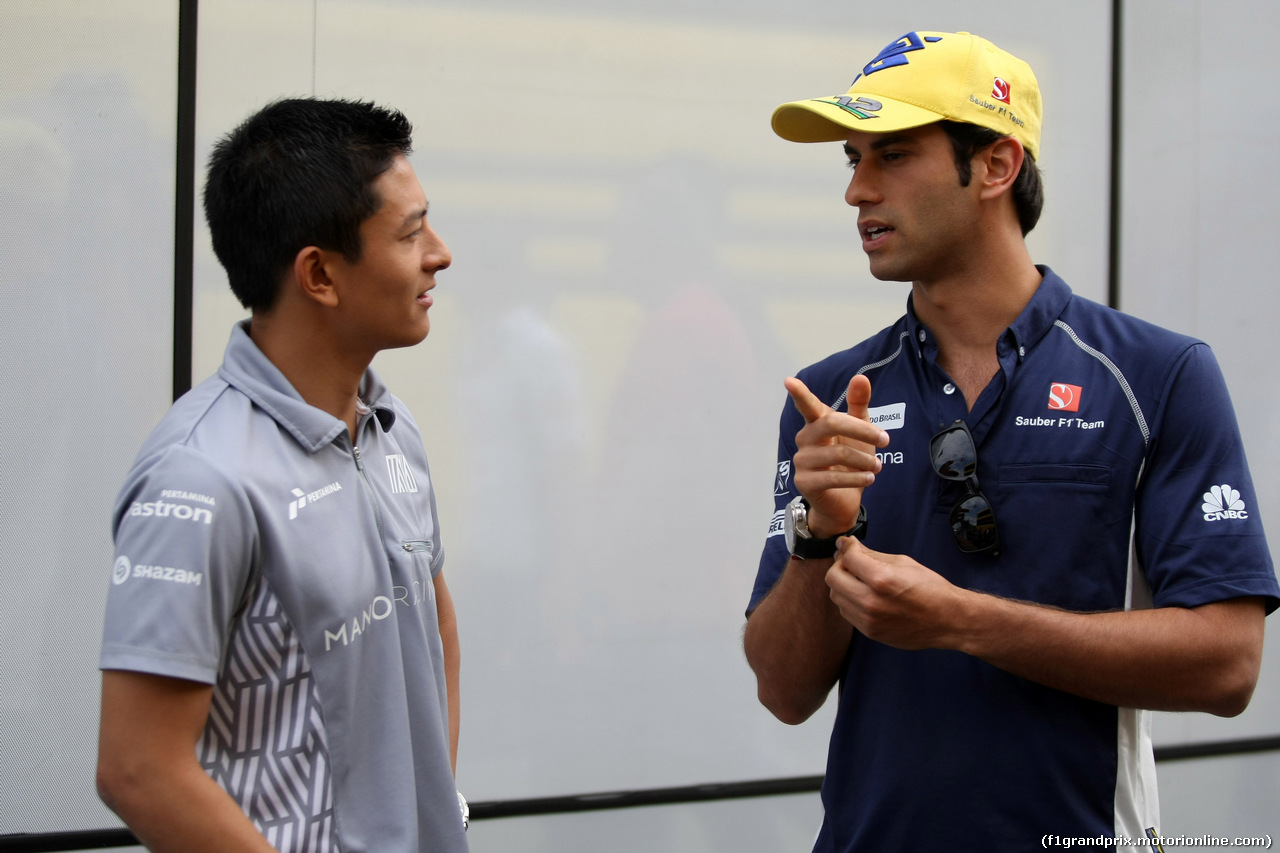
<point x="948" y="388"/>
<point x="1022" y="351"/>
<point x="922" y="336"/>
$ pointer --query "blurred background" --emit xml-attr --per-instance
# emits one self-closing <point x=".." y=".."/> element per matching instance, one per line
<point x="638" y="263"/>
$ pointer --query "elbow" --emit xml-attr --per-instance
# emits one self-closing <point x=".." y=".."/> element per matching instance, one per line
<point x="1234" y="689"/>
<point x="1230" y="709"/>
<point x="788" y="698"/>
<point x="1232" y="660"/>
<point x="112" y="787"/>
<point x="786" y="708"/>
<point x="790" y="703"/>
<point x="1238" y="673"/>
<point x="1231" y="704"/>
<point x="1230" y="684"/>
<point x="122" y="784"/>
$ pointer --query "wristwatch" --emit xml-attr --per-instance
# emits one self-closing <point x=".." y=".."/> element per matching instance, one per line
<point x="466" y="811"/>
<point x="800" y="541"/>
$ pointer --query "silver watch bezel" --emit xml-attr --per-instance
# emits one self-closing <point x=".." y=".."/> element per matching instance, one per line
<point x="796" y="529"/>
<point x="796" y="522"/>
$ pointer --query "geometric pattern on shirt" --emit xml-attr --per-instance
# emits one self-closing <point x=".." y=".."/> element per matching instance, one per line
<point x="264" y="742"/>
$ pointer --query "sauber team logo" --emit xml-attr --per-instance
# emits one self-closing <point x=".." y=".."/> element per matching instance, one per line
<point x="1064" y="397"/>
<point x="1000" y="89"/>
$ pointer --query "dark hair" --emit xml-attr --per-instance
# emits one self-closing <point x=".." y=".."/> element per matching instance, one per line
<point x="297" y="173"/>
<point x="1028" y="190"/>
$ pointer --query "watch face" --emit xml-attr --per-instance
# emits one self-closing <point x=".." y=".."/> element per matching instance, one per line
<point x="789" y="519"/>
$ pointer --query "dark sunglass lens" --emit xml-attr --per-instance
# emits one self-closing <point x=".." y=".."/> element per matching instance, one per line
<point x="973" y="524"/>
<point x="954" y="455"/>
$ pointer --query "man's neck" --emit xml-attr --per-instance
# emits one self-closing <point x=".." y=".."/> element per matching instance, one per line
<point x="323" y="375"/>
<point x="968" y="311"/>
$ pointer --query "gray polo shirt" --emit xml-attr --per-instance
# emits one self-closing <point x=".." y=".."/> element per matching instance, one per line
<point x="260" y="551"/>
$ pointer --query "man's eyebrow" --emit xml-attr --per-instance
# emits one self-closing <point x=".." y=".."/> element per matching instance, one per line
<point x="416" y="215"/>
<point x="883" y="141"/>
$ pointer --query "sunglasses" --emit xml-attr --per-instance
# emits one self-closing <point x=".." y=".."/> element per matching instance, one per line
<point x="973" y="521"/>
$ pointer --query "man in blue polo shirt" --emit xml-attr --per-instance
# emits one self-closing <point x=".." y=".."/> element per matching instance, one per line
<point x="1011" y="524"/>
<point x="280" y="655"/>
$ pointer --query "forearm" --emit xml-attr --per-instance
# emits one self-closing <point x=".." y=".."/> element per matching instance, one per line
<point x="448" y="621"/>
<point x="1170" y="659"/>
<point x="182" y="811"/>
<point x="1204" y="658"/>
<point x="148" y="773"/>
<point x="452" y="683"/>
<point x="796" y="641"/>
<point x="453" y="675"/>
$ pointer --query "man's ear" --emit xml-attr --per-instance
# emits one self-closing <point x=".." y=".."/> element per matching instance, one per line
<point x="1001" y="162"/>
<point x="311" y="275"/>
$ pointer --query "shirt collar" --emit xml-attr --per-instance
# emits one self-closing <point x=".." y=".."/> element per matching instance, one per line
<point x="1044" y="309"/>
<point x="1035" y="321"/>
<point x="245" y="368"/>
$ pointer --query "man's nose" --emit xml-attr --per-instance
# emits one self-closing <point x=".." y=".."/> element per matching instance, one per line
<point x="862" y="187"/>
<point x="437" y="257"/>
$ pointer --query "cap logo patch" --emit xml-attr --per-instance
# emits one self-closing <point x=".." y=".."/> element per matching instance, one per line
<point x="896" y="53"/>
<point x="1000" y="89"/>
<point x="1064" y="397"/>
<point x="859" y="107"/>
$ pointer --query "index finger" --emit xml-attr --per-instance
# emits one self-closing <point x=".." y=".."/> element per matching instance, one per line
<point x="809" y="406"/>
<point x="855" y="558"/>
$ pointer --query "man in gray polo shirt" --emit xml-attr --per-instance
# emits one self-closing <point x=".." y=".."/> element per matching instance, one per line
<point x="280" y="654"/>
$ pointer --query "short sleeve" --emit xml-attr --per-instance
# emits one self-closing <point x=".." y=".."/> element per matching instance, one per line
<point x="185" y="546"/>
<point x="1199" y="535"/>
<point x="774" y="556"/>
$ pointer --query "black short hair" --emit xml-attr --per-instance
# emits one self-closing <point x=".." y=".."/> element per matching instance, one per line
<point x="297" y="173"/>
<point x="1028" y="189"/>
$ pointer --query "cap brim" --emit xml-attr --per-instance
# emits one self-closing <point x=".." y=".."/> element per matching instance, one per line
<point x="825" y="120"/>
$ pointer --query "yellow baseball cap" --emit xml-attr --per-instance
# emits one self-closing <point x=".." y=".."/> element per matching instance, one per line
<point x="921" y="78"/>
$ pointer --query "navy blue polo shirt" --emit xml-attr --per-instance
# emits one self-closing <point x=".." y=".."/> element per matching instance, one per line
<point x="1110" y="452"/>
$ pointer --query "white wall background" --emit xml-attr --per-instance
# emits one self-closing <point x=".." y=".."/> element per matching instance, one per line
<point x="638" y="264"/>
<point x="88" y="100"/>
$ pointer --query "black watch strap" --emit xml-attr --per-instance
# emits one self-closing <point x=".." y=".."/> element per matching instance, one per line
<point x="825" y="549"/>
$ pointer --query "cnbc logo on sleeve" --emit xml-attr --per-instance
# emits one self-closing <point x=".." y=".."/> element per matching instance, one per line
<point x="1221" y="503"/>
